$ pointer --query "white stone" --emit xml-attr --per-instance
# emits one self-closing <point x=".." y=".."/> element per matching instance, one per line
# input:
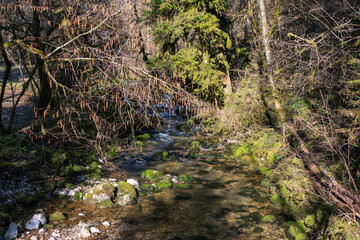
<point x="40" y="217"/>
<point x="81" y="214"/>
<point x="94" y="230"/>
<point x="41" y="230"/>
<point x="133" y="182"/>
<point x="112" y="180"/>
<point x="54" y="234"/>
<point x="106" y="224"/>
<point x="34" y="238"/>
<point x="175" y="181"/>
<point x="51" y="238"/>
<point x="12" y="232"/>
<point x="83" y="225"/>
<point x="32" y="225"/>
<point x="84" y="233"/>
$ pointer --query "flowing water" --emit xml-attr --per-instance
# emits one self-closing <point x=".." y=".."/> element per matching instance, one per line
<point x="226" y="202"/>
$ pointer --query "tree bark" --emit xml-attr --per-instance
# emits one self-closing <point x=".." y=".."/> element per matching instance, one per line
<point x="4" y="81"/>
<point x="45" y="88"/>
<point x="268" y="62"/>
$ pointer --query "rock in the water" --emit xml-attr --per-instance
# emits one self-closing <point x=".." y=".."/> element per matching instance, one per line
<point x="126" y="194"/>
<point x="84" y="233"/>
<point x="100" y="193"/>
<point x="133" y="182"/>
<point x="32" y="225"/>
<point x="106" y="204"/>
<point x="12" y="232"/>
<point x="56" y="216"/>
<point x="94" y="230"/>
<point x="40" y="217"/>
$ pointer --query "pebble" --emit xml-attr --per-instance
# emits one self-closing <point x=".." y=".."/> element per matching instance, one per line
<point x="81" y="214"/>
<point x="54" y="234"/>
<point x="41" y="230"/>
<point x="34" y="238"/>
<point x="51" y="238"/>
<point x="106" y="224"/>
<point x="94" y="230"/>
<point x="84" y="233"/>
<point x="83" y="225"/>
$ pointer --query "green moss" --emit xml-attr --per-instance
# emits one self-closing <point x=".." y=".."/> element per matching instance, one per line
<point x="186" y="178"/>
<point x="160" y="155"/>
<point x="147" y="188"/>
<point x="112" y="152"/>
<point x="98" y="190"/>
<point x="49" y="186"/>
<point x="56" y="216"/>
<point x="145" y="136"/>
<point x="150" y="174"/>
<point x="106" y="204"/>
<point x="70" y="186"/>
<point x="79" y="196"/>
<point x="301" y="236"/>
<point x="182" y="126"/>
<point x="163" y="184"/>
<point x="276" y="199"/>
<point x="78" y="169"/>
<point x="269" y="219"/>
<point x="195" y="146"/>
<point x="138" y="144"/>
<point x="124" y="188"/>
<point x="46" y="226"/>
<point x="182" y="186"/>
<point x="5" y="219"/>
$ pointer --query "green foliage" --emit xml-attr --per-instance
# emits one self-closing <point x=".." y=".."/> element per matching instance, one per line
<point x="145" y="136"/>
<point x="192" y="43"/>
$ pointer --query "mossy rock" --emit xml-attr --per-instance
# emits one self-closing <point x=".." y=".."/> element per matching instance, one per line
<point x="147" y="188"/>
<point x="145" y="136"/>
<point x="100" y="193"/>
<point x="195" y="146"/>
<point x="112" y="152"/>
<point x="57" y="216"/>
<point x="183" y="186"/>
<point x="5" y="219"/>
<point x="49" y="186"/>
<point x="160" y="155"/>
<point x="269" y="219"/>
<point x="106" y="204"/>
<point x="163" y="184"/>
<point x="78" y="169"/>
<point x="93" y="165"/>
<point x="124" y="188"/>
<point x="68" y="171"/>
<point x="79" y="195"/>
<point x="265" y="182"/>
<point x="138" y="144"/>
<point x="62" y="196"/>
<point x="151" y="175"/>
<point x="93" y="176"/>
<point x="186" y="178"/>
<point x="276" y="199"/>
<point x="302" y="236"/>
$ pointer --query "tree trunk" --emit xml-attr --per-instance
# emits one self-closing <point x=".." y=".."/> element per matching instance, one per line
<point x="268" y="62"/>
<point x="45" y="89"/>
<point x="4" y="81"/>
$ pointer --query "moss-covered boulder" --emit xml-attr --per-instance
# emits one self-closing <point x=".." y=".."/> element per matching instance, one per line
<point x="57" y="216"/>
<point x="106" y="204"/>
<point x="138" y="144"/>
<point x="151" y="175"/>
<point x="100" y="193"/>
<point x="5" y="219"/>
<point x="183" y="126"/>
<point x="147" y="188"/>
<point x="163" y="184"/>
<point x="126" y="194"/>
<point x="79" y="195"/>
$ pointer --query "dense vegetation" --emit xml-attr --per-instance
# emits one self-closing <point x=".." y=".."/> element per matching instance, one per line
<point x="280" y="77"/>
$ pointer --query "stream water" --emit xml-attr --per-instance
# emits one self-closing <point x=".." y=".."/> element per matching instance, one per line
<point x="226" y="202"/>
